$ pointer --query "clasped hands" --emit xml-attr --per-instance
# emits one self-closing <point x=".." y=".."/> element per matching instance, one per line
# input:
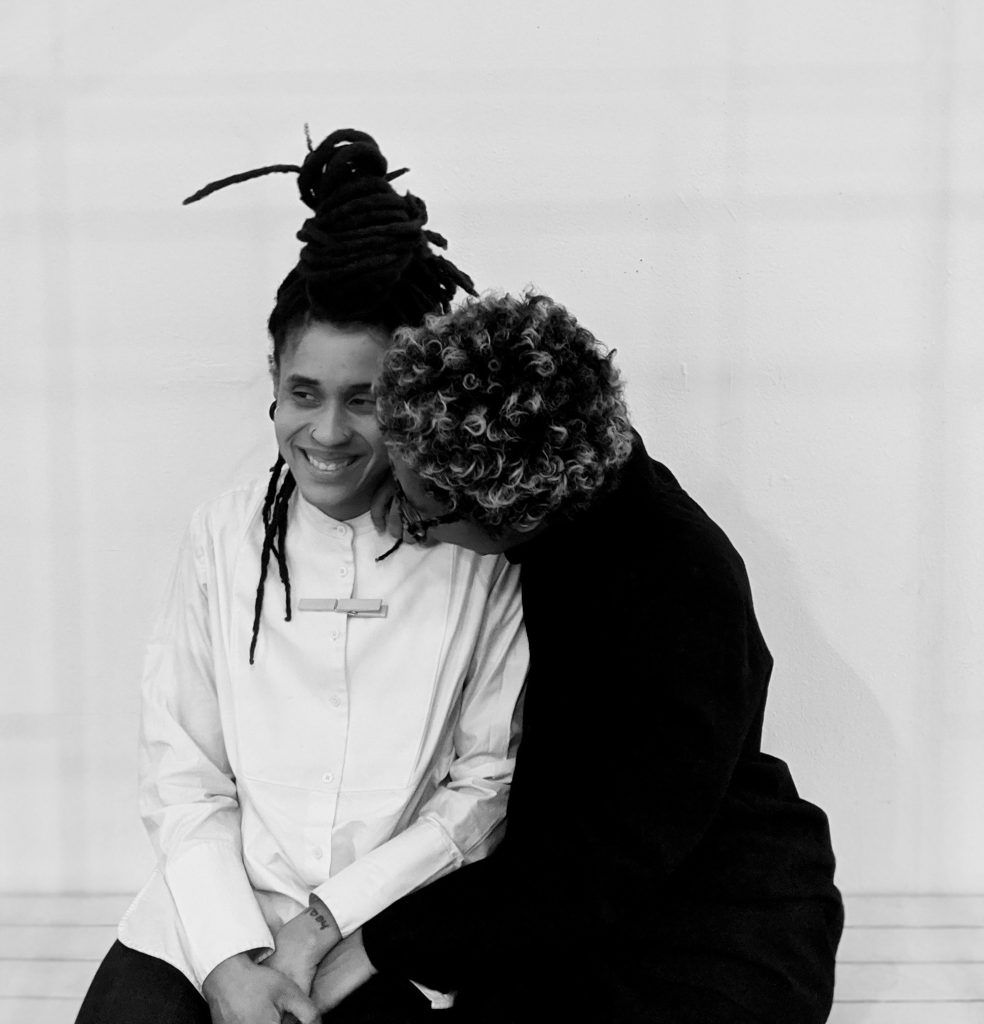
<point x="309" y="973"/>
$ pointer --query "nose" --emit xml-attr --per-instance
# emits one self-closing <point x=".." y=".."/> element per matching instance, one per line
<point x="332" y="427"/>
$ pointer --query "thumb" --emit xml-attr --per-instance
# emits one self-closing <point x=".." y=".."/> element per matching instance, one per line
<point x="295" y="1005"/>
<point x="393" y="524"/>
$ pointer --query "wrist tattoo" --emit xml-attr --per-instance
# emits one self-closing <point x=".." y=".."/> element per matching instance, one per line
<point x="320" y="918"/>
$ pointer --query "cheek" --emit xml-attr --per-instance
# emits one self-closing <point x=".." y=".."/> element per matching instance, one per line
<point x="285" y="425"/>
<point x="374" y="438"/>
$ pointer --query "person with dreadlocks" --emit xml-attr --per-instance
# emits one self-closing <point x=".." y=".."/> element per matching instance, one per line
<point x="309" y="760"/>
<point x="665" y="871"/>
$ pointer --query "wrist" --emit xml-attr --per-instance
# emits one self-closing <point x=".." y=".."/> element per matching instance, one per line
<point x="312" y="934"/>
<point x="227" y="971"/>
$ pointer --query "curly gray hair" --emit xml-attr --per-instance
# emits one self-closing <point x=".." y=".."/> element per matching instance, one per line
<point x="509" y="406"/>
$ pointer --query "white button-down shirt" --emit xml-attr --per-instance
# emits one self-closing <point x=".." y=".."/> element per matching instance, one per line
<point x="357" y="759"/>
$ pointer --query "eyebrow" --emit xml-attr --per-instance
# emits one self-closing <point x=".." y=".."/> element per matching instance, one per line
<point x="295" y="379"/>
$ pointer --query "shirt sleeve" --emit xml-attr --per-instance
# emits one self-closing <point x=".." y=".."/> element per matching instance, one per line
<point x="188" y="797"/>
<point x="461" y="823"/>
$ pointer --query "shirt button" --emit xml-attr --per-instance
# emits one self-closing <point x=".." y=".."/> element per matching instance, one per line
<point x="340" y="531"/>
<point x="318" y="853"/>
<point x="343" y="571"/>
<point x="334" y="701"/>
<point x="335" y="635"/>
<point x="327" y="777"/>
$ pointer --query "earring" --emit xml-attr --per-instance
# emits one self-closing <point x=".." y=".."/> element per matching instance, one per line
<point x="273" y="409"/>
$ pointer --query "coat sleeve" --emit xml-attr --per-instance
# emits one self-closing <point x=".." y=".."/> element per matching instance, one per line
<point x="188" y="797"/>
<point x="686" y="689"/>
<point x="461" y="822"/>
<point x="659" y="692"/>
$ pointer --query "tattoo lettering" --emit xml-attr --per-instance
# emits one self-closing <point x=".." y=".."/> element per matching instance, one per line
<point x="320" y="918"/>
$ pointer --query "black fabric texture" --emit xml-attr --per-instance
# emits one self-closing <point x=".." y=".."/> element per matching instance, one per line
<point x="133" y="988"/>
<point x="649" y="839"/>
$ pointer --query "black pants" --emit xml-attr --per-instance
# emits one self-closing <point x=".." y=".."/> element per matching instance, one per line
<point x="691" y="961"/>
<point x="133" y="988"/>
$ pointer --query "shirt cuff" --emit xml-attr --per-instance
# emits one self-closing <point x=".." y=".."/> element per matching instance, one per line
<point x="216" y="905"/>
<point x="409" y="860"/>
<point x="438" y="1000"/>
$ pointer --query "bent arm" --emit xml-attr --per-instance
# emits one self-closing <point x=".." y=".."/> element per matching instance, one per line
<point x="188" y="797"/>
<point x="655" y="703"/>
<point x="461" y="822"/>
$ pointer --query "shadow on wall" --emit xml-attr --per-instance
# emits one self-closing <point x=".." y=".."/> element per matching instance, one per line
<point x="822" y="717"/>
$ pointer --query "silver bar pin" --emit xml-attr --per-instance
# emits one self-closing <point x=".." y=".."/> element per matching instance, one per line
<point x="362" y="607"/>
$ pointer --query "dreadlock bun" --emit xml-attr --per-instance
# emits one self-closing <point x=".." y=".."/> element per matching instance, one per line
<point x="367" y="256"/>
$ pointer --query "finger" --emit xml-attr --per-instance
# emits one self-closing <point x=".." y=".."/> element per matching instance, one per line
<point x="394" y="523"/>
<point x="379" y="511"/>
<point x="297" y="1005"/>
<point x="382" y="503"/>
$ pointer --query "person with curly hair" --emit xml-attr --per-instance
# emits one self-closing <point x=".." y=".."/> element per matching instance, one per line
<point x="306" y="762"/>
<point x="658" y="866"/>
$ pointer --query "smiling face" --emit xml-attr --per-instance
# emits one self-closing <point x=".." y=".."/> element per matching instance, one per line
<point x="325" y="419"/>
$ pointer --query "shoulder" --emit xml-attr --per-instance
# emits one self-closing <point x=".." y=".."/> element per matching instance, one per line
<point x="487" y="572"/>
<point x="686" y="579"/>
<point x="231" y="514"/>
<point x="660" y="534"/>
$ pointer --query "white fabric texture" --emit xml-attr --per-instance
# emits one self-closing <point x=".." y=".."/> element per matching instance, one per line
<point x="357" y="759"/>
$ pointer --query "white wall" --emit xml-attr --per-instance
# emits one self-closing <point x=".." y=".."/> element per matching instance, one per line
<point x="772" y="209"/>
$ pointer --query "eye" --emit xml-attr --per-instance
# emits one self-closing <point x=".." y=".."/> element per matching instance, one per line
<point x="440" y="497"/>
<point x="303" y="396"/>
<point x="363" y="402"/>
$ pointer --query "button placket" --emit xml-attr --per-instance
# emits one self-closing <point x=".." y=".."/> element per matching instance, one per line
<point x="337" y="632"/>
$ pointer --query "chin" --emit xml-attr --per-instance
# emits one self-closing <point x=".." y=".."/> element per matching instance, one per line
<point x="333" y="504"/>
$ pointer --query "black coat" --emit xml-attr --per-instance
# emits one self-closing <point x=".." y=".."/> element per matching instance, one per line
<point x="655" y="860"/>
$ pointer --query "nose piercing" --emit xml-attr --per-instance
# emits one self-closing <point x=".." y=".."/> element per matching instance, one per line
<point x="344" y="430"/>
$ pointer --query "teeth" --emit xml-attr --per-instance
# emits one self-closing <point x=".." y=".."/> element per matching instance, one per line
<point x="328" y="467"/>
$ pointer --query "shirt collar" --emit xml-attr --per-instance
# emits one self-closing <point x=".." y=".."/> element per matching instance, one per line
<point x="325" y="524"/>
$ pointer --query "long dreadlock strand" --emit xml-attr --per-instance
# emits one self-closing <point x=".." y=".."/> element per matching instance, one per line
<point x="274" y="516"/>
<point x="279" y="524"/>
<point x="268" y="539"/>
<point x="271" y="491"/>
<point x="235" y="179"/>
